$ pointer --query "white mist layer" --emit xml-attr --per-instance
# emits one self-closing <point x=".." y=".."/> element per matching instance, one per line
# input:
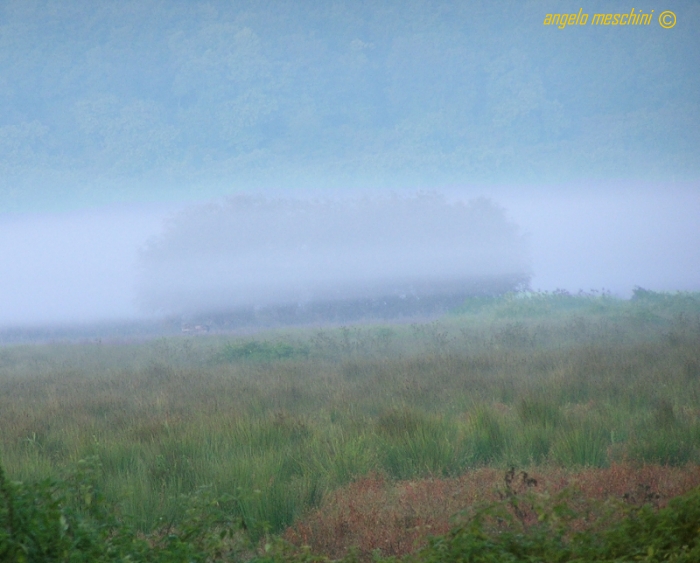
<point x="83" y="266"/>
<point x="254" y="252"/>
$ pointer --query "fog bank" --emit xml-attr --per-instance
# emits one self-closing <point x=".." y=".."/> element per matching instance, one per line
<point x="258" y="252"/>
<point x="83" y="266"/>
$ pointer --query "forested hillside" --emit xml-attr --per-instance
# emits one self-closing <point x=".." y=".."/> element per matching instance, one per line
<point x="227" y="95"/>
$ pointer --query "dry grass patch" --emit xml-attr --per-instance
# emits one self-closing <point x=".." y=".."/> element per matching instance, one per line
<point x="396" y="518"/>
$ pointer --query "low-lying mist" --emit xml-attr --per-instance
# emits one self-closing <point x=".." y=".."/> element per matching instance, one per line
<point x="97" y="264"/>
<point x="260" y="252"/>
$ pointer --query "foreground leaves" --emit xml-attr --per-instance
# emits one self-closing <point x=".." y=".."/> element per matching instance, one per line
<point x="69" y="520"/>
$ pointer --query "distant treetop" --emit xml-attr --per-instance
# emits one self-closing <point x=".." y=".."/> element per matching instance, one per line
<point x="256" y="252"/>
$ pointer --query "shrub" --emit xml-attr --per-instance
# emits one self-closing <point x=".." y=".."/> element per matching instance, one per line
<point x="69" y="519"/>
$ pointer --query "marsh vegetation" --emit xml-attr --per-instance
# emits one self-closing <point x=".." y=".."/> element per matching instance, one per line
<point x="274" y="425"/>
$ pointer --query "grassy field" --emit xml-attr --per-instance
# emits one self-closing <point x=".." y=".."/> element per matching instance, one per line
<point x="274" y="425"/>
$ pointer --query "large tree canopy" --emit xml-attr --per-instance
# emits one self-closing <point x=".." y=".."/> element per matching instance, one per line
<point x="257" y="252"/>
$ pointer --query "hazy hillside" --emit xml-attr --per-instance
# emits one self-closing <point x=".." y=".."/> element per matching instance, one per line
<point x="101" y="99"/>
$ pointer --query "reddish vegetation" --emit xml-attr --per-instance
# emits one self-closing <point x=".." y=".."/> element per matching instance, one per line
<point x="396" y="518"/>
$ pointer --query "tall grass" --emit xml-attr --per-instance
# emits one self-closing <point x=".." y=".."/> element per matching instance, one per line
<point x="279" y="420"/>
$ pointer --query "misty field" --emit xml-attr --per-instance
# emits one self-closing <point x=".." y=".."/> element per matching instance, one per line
<point x="367" y="431"/>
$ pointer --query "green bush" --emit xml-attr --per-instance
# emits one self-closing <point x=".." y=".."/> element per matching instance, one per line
<point x="69" y="519"/>
<point x="494" y="534"/>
